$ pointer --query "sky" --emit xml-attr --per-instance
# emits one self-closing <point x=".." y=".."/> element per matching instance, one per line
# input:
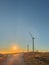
<point x="18" y="18"/>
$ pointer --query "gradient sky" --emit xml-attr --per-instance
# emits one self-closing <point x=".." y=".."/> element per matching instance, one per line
<point x="19" y="17"/>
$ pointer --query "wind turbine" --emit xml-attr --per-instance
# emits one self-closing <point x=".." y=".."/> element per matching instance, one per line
<point x="27" y="47"/>
<point x="32" y="41"/>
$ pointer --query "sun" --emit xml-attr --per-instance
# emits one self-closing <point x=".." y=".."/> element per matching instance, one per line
<point x="14" y="48"/>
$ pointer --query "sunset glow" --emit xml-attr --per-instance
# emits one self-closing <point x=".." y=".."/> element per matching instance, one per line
<point x="13" y="49"/>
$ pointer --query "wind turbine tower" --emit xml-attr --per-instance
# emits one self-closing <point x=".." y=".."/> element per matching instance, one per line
<point x="27" y="47"/>
<point x="32" y="41"/>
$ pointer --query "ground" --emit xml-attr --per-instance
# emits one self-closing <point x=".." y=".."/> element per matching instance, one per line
<point x="36" y="58"/>
<point x="28" y="58"/>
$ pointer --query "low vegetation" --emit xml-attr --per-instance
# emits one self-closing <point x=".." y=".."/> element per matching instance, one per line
<point x="36" y="58"/>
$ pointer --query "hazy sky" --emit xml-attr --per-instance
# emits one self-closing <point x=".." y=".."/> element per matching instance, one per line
<point x="19" y="17"/>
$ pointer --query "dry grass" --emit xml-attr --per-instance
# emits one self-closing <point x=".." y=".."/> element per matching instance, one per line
<point x="36" y="58"/>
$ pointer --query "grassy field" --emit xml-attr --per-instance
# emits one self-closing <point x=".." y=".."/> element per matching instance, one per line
<point x="30" y="58"/>
<point x="36" y="58"/>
